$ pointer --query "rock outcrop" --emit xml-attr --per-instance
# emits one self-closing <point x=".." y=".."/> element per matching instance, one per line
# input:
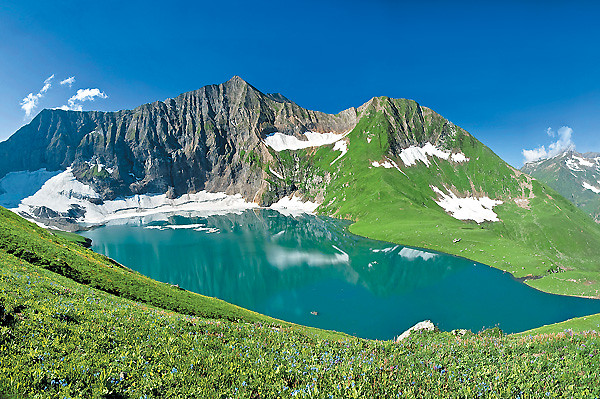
<point x="209" y="139"/>
<point x="425" y="325"/>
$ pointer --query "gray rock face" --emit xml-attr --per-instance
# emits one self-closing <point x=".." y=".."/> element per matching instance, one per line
<point x="208" y="139"/>
<point x="410" y="124"/>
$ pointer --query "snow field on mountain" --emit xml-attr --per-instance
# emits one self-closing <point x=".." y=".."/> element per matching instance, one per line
<point x="469" y="208"/>
<point x="63" y="191"/>
<point x="411" y="155"/>
<point x="18" y="185"/>
<point x="588" y="186"/>
<point x="280" y="142"/>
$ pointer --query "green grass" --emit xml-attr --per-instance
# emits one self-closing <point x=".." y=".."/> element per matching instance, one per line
<point x="73" y="237"/>
<point x="59" y="338"/>
<point x="550" y="235"/>
<point x="38" y="247"/>
<point x="577" y="324"/>
<point x="77" y="324"/>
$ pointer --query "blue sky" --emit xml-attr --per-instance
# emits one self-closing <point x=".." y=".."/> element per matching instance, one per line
<point x="504" y="71"/>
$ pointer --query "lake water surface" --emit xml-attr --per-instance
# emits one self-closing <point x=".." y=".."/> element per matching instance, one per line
<point x="288" y="267"/>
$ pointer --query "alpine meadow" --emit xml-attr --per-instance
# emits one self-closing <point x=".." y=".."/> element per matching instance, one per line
<point x="355" y="200"/>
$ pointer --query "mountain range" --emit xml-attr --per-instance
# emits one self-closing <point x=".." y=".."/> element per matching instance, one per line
<point x="575" y="176"/>
<point x="399" y="170"/>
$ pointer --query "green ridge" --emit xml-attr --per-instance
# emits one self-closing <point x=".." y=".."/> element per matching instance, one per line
<point x="540" y="237"/>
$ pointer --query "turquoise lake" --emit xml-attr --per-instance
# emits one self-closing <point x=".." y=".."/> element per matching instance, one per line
<point x="288" y="267"/>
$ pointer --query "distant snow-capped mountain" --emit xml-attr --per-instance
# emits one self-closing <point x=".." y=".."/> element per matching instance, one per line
<point x="575" y="176"/>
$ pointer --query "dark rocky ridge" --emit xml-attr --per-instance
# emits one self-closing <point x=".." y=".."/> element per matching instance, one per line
<point x="201" y="140"/>
<point x="409" y="123"/>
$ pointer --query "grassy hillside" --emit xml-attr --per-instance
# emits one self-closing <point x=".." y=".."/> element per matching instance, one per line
<point x="540" y="236"/>
<point x="63" y="339"/>
<point x="35" y="246"/>
<point x="585" y="323"/>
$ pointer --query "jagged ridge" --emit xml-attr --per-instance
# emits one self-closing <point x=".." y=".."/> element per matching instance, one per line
<point x="199" y="140"/>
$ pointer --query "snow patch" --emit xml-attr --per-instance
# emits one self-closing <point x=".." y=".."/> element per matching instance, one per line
<point x="294" y="206"/>
<point x="583" y="161"/>
<point x="411" y="155"/>
<point x="279" y="141"/>
<point x="470" y="208"/>
<point x="341" y="145"/>
<point x="385" y="164"/>
<point x="275" y="173"/>
<point x="459" y="157"/>
<point x="412" y="254"/>
<point x="573" y="165"/>
<point x="588" y="186"/>
<point x="18" y="185"/>
<point x="63" y="191"/>
<point x="100" y="166"/>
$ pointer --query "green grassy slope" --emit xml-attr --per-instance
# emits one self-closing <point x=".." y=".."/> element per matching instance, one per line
<point x="577" y="324"/>
<point x="73" y="237"/>
<point x="539" y="234"/>
<point x="36" y="246"/>
<point x="63" y="339"/>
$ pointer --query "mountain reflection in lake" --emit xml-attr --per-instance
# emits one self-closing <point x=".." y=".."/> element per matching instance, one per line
<point x="288" y="267"/>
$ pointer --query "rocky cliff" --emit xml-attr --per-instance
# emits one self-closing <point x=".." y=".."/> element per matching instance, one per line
<point x="209" y="139"/>
<point x="228" y="138"/>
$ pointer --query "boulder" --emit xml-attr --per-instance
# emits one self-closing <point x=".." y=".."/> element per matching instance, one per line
<point x="426" y="325"/>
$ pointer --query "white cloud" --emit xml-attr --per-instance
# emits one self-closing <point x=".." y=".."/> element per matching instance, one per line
<point x="29" y="103"/>
<point x="564" y="143"/>
<point x="87" y="95"/>
<point x="74" y="103"/>
<point x="535" y="155"/>
<point x="47" y="84"/>
<point x="68" y="81"/>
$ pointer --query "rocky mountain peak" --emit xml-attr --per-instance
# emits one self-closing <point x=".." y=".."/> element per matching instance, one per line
<point x="236" y="80"/>
<point x="209" y="139"/>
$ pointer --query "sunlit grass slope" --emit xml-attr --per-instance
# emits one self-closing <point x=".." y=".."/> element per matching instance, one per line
<point x="540" y="234"/>
<point x="36" y="246"/>
<point x="63" y="339"/>
<point x="585" y="323"/>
